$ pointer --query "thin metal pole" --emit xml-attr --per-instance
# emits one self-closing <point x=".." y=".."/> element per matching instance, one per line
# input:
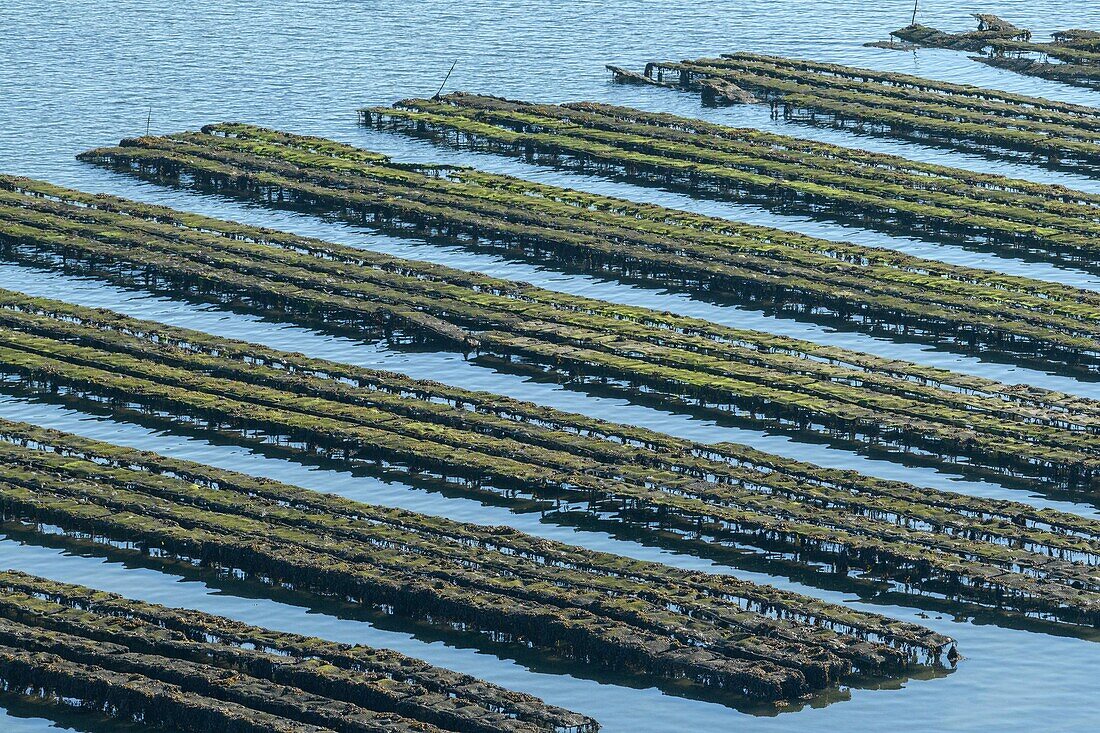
<point x="448" y="76"/>
<point x="914" y="20"/>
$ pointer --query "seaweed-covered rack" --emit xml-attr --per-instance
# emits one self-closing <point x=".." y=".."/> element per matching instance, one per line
<point x="877" y="290"/>
<point x="597" y="609"/>
<point x="960" y="116"/>
<point x="1072" y="56"/>
<point x="758" y="378"/>
<point x="881" y="191"/>
<point x="993" y="553"/>
<point x="192" y="671"/>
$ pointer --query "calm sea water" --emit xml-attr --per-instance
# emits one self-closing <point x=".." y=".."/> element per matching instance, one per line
<point x="81" y="73"/>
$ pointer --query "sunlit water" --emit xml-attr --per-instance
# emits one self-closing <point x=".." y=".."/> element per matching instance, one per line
<point x="80" y="73"/>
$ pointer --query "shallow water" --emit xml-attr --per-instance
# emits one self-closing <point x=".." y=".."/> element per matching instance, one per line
<point x="84" y="73"/>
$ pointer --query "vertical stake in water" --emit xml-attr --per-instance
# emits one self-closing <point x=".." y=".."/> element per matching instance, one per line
<point x="914" y="20"/>
<point x="448" y="76"/>
<point x="148" y="120"/>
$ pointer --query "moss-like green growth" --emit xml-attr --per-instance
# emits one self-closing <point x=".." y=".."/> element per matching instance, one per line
<point x="871" y="288"/>
<point x="192" y="671"/>
<point x="778" y="382"/>
<point x="597" y="608"/>
<point x="1077" y="51"/>
<point x="901" y="105"/>
<point x="774" y="170"/>
<point x="970" y="548"/>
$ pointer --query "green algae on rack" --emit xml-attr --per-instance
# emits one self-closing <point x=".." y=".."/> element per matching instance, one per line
<point x="193" y="671"/>
<point x="994" y="553"/>
<point x="775" y="171"/>
<point x="760" y="379"/>
<point x="597" y="609"/>
<point x="990" y="29"/>
<point x="960" y="116"/>
<point x="878" y="290"/>
<point x="1077" y="51"/>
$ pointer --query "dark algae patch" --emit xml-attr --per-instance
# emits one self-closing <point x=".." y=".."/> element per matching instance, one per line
<point x="776" y="171"/>
<point x="991" y="29"/>
<point x="1071" y="56"/>
<point x="841" y="472"/>
<point x="988" y="553"/>
<point x="871" y="289"/>
<point x="972" y="424"/>
<point x="800" y="387"/>
<point x="597" y="609"/>
<point x="191" y="671"/>
<point x="961" y="116"/>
